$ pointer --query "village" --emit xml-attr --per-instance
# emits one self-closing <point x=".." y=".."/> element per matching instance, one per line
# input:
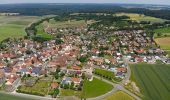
<point x="72" y="57"/>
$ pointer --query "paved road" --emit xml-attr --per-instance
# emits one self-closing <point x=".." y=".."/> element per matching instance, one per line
<point x="118" y="86"/>
<point x="34" y="97"/>
<point x="128" y="74"/>
<point x="115" y="89"/>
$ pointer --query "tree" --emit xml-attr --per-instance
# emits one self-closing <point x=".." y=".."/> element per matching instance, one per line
<point x="45" y="75"/>
<point x="72" y="85"/>
<point x="66" y="86"/>
<point x="62" y="74"/>
<point x="56" y="76"/>
<point x="58" y="41"/>
<point x="28" y="75"/>
<point x="159" y="34"/>
<point x="83" y="59"/>
<point x="83" y="76"/>
<point x="54" y="93"/>
<point x="57" y="70"/>
<point x="79" y="88"/>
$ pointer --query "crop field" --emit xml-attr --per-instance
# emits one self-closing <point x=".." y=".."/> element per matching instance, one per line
<point x="153" y="80"/>
<point x="163" y="42"/>
<point x="141" y="17"/>
<point x="13" y="26"/>
<point x="119" y="96"/>
<point x="95" y="88"/>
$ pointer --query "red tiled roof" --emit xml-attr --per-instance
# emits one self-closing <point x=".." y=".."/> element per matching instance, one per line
<point x="121" y="69"/>
<point x="54" y="85"/>
<point x="76" y="67"/>
<point x="75" y="79"/>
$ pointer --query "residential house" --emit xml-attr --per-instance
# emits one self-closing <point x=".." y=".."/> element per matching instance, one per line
<point x="12" y="83"/>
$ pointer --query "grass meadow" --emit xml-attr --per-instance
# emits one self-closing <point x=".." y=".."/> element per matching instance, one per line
<point x="119" y="95"/>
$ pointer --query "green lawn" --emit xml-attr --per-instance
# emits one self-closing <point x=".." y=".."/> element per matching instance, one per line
<point x="119" y="96"/>
<point x="68" y="92"/>
<point x="13" y="26"/>
<point x="95" y="88"/>
<point x="153" y="80"/>
<point x="11" y="97"/>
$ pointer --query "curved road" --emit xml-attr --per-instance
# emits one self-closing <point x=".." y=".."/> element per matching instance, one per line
<point x="118" y="86"/>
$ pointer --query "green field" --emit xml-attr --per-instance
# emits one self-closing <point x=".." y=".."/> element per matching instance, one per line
<point x="13" y="26"/>
<point x="141" y="17"/>
<point x="41" y="33"/>
<point x="95" y="88"/>
<point x="153" y="80"/>
<point x="119" y="96"/>
<point x="4" y="96"/>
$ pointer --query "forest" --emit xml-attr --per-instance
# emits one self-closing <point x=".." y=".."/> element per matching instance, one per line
<point x="60" y="9"/>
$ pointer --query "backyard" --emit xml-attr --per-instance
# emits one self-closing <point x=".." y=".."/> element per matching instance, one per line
<point x="153" y="80"/>
<point x="42" y="88"/>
